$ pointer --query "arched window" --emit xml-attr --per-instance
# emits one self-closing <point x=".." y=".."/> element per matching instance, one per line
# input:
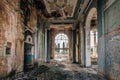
<point x="61" y="43"/>
<point x="61" y="40"/>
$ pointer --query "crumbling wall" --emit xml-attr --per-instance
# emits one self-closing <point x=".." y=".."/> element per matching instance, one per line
<point x="109" y="38"/>
<point x="30" y="21"/>
<point x="10" y="37"/>
<point x="15" y="18"/>
<point x="112" y="41"/>
<point x="41" y="46"/>
<point x="29" y="14"/>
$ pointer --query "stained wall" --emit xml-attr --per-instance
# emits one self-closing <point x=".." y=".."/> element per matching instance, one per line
<point x="109" y="39"/>
<point x="11" y="37"/>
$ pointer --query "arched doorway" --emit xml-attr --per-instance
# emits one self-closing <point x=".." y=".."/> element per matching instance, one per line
<point x="91" y="38"/>
<point x="61" y="50"/>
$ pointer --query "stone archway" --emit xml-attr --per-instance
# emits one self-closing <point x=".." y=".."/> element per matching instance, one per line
<point x="89" y="18"/>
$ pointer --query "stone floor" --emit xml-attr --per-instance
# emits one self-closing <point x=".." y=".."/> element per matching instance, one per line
<point x="58" y="71"/>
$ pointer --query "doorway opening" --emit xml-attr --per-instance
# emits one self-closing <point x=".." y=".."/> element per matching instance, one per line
<point x="93" y="46"/>
<point x="91" y="38"/>
<point x="61" y="50"/>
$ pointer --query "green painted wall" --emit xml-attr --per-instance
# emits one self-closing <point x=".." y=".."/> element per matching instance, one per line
<point x="109" y="41"/>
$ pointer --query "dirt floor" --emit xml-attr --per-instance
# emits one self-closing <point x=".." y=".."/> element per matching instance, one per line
<point x="57" y="71"/>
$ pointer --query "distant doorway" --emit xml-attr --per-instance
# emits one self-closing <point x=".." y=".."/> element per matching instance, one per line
<point x="93" y="46"/>
<point x="61" y="50"/>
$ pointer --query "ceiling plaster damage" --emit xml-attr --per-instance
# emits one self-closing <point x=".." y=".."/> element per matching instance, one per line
<point x="64" y="7"/>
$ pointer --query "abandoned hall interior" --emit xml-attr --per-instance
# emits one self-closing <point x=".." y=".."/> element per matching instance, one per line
<point x="59" y="39"/>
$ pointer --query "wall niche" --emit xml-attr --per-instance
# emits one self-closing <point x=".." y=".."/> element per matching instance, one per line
<point x="8" y="48"/>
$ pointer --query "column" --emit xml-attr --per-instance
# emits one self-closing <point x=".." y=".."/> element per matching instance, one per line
<point x="45" y="45"/>
<point x="82" y="46"/>
<point x="48" y="45"/>
<point x="87" y="49"/>
<point x="73" y="46"/>
<point x="38" y="45"/>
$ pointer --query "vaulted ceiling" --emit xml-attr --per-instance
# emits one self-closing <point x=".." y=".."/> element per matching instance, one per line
<point x="60" y="11"/>
<point x="64" y="9"/>
<point x="67" y="9"/>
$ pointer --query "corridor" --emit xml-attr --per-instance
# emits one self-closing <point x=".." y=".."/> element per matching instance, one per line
<point x="59" y="39"/>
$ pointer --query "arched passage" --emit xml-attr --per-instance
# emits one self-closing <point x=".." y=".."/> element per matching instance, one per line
<point x="91" y="37"/>
<point x="61" y="50"/>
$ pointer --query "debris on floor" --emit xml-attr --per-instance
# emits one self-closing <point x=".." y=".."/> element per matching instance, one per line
<point x="57" y="71"/>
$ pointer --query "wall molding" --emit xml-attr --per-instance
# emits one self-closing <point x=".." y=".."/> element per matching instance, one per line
<point x="108" y="4"/>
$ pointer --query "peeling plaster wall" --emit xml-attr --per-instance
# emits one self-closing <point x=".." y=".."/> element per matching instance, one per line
<point x="112" y="41"/>
<point x="41" y="44"/>
<point x="29" y="14"/>
<point x="12" y="28"/>
<point x="109" y="39"/>
<point x="101" y="39"/>
<point x="10" y="31"/>
<point x="30" y="21"/>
